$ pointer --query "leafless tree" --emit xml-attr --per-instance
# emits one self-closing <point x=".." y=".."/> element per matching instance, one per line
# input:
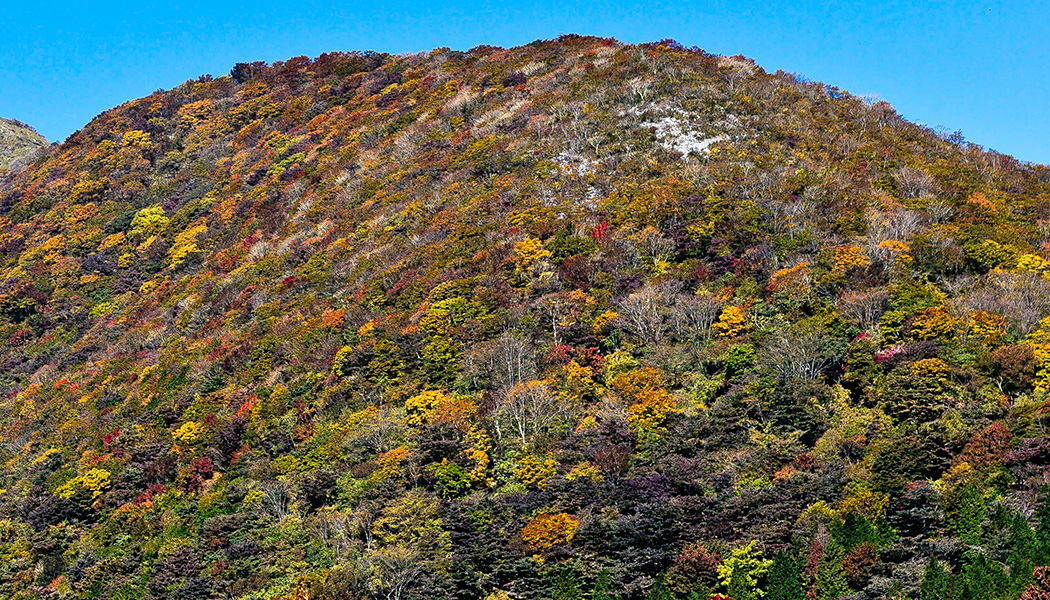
<point x="595" y="140"/>
<point x="640" y="88"/>
<point x="898" y="225"/>
<point x="393" y="569"/>
<point x="559" y="309"/>
<point x="914" y="183"/>
<point x="380" y="432"/>
<point x="654" y="245"/>
<point x="363" y="520"/>
<point x="785" y="217"/>
<point x="800" y="354"/>
<point x="335" y="530"/>
<point x="863" y="309"/>
<point x="570" y="119"/>
<point x="528" y="409"/>
<point x="503" y="362"/>
<point x="646" y="313"/>
<point x="278" y="499"/>
<point x="1022" y="298"/>
<point x="693" y="315"/>
<point x="1044" y="230"/>
<point x="512" y="360"/>
<point x="940" y="211"/>
<point x="657" y="311"/>
<point x="735" y="69"/>
<point x="408" y="141"/>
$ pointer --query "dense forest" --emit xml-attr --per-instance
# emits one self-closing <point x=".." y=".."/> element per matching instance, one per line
<point x="577" y="320"/>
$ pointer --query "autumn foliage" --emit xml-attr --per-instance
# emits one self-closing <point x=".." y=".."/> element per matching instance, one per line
<point x="576" y="319"/>
<point x="546" y="531"/>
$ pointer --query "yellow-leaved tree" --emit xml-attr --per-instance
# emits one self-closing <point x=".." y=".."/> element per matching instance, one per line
<point x="546" y="531"/>
<point x="732" y="322"/>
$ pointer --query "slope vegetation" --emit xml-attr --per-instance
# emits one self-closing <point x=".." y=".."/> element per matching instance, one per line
<point x="573" y="319"/>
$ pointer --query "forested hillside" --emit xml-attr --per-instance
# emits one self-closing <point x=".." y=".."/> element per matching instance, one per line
<point x="573" y="320"/>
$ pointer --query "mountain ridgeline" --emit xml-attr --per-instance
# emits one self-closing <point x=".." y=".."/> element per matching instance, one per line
<point x="572" y="320"/>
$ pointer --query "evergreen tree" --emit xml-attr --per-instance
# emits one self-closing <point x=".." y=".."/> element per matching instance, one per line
<point x="1023" y="554"/>
<point x="934" y="582"/>
<point x="983" y="578"/>
<point x="1042" y="527"/>
<point x="660" y="590"/>
<point x="566" y="586"/>
<point x="602" y="587"/>
<point x="853" y="531"/>
<point x="785" y="579"/>
<point x="831" y="577"/>
<point x="971" y="513"/>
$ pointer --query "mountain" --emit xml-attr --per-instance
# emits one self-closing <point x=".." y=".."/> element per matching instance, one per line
<point x="17" y="140"/>
<point x="572" y="319"/>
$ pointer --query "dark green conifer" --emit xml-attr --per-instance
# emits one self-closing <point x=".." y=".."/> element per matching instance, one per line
<point x="934" y="582"/>
<point x="971" y="513"/>
<point x="660" y="590"/>
<point x="785" y="579"/>
<point x="831" y="577"/>
<point x="1042" y="527"/>
<point x="982" y="578"/>
<point x="566" y="586"/>
<point x="602" y="589"/>
<point x="1023" y="554"/>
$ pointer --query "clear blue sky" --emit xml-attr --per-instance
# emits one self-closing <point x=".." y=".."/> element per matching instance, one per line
<point x="979" y="67"/>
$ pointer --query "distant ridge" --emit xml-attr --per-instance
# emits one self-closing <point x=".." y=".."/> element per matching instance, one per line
<point x="17" y="140"/>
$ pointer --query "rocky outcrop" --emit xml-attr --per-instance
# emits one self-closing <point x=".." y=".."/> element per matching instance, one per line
<point x="18" y="141"/>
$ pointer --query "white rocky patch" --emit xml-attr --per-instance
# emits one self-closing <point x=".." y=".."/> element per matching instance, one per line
<point x="576" y="164"/>
<point x="672" y="134"/>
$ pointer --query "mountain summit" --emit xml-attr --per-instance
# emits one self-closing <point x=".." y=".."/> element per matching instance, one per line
<point x="17" y="140"/>
<point x="576" y="319"/>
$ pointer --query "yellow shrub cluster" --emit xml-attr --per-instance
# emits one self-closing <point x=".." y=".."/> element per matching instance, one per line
<point x="934" y="323"/>
<point x="896" y="250"/>
<point x="650" y="402"/>
<point x="547" y="531"/>
<point x="988" y="327"/>
<point x="93" y="484"/>
<point x="188" y="432"/>
<point x="732" y="322"/>
<point x="929" y="367"/>
<point x="604" y="320"/>
<point x="530" y="251"/>
<point x="185" y="245"/>
<point x="532" y="472"/>
<point x="391" y="465"/>
<point x="792" y="280"/>
<point x="651" y="410"/>
<point x="1039" y="340"/>
<point x="848" y="258"/>
<point x="137" y="139"/>
<point x="1033" y="263"/>
<point x="418" y="408"/>
<point x="438" y="407"/>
